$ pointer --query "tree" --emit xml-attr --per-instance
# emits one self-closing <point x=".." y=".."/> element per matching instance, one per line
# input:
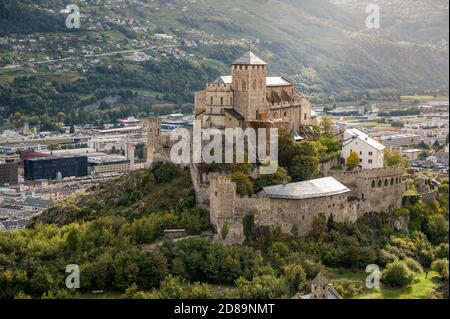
<point x="262" y="287"/>
<point x="243" y="184"/>
<point x="437" y="229"/>
<point x="424" y="155"/>
<point x="393" y="158"/>
<point x="305" y="164"/>
<point x="353" y="160"/>
<point x="279" y="177"/>
<point x="441" y="267"/>
<point x="326" y="123"/>
<point x="224" y="231"/>
<point x="295" y="277"/>
<point x="397" y="274"/>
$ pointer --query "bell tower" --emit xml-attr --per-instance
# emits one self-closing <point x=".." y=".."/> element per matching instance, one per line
<point x="249" y="75"/>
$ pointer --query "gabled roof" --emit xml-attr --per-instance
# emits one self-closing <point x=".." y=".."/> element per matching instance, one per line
<point x="320" y="280"/>
<point x="361" y="136"/>
<point x="321" y="187"/>
<point x="249" y="58"/>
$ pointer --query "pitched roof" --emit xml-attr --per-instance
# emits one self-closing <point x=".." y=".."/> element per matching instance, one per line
<point x="357" y="134"/>
<point x="234" y="114"/>
<point x="249" y="58"/>
<point x="321" y="187"/>
<point x="320" y="280"/>
<point x="277" y="81"/>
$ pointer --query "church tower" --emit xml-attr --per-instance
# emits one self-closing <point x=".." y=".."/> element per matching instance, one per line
<point x="249" y="75"/>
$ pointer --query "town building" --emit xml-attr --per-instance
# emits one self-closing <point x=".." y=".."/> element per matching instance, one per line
<point x="9" y="174"/>
<point x="371" y="153"/>
<point x="51" y="167"/>
<point x="395" y="141"/>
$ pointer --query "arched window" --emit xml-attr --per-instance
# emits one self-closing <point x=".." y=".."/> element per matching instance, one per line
<point x="379" y="183"/>
<point x="254" y="85"/>
<point x="392" y="181"/>
<point x="221" y="101"/>
<point x="386" y="182"/>
<point x="244" y="86"/>
<point x="373" y="184"/>
<point x="212" y="100"/>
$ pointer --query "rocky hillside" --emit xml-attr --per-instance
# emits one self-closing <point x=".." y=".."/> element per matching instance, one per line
<point x="135" y="195"/>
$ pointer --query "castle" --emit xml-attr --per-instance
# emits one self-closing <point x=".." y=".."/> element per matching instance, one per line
<point x="248" y="98"/>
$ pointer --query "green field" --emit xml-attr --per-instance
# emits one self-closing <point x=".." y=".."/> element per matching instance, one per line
<point x="420" y="289"/>
<point x="424" y="98"/>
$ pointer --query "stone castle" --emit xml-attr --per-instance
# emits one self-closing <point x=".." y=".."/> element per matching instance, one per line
<point x="248" y="98"/>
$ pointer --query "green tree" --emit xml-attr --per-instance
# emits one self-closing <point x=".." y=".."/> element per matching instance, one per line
<point x="295" y="278"/>
<point x="397" y="274"/>
<point x="262" y="287"/>
<point x="393" y="158"/>
<point x="353" y="160"/>
<point x="326" y="124"/>
<point x="441" y="267"/>
<point x="243" y="184"/>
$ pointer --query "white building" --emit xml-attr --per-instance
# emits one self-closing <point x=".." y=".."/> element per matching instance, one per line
<point x="371" y="153"/>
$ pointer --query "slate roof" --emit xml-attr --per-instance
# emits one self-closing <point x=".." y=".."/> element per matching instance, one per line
<point x="321" y="187"/>
<point x="249" y="58"/>
<point x="234" y="114"/>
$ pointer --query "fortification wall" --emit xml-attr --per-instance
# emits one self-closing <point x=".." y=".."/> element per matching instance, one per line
<point x="378" y="190"/>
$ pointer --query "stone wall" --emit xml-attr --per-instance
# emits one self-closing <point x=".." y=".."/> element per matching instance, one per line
<point x="371" y="191"/>
<point x="378" y="190"/>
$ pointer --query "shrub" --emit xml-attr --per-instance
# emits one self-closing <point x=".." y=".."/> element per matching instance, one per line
<point x="397" y="274"/>
<point x="441" y="267"/>
<point x="413" y="265"/>
<point x="349" y="289"/>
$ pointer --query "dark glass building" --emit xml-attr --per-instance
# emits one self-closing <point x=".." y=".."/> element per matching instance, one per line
<point x="49" y="167"/>
<point x="9" y="174"/>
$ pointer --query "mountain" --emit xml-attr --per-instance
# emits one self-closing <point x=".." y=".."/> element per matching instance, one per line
<point x="323" y="45"/>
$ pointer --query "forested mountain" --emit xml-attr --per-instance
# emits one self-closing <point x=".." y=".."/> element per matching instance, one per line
<point x="323" y="45"/>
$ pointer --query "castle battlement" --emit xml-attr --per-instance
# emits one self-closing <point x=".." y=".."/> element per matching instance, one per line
<point x="218" y="87"/>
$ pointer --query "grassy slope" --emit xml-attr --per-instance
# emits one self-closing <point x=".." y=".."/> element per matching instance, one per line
<point x="420" y="289"/>
<point x="130" y="196"/>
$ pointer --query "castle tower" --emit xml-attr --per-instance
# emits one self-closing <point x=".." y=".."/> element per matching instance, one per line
<point x="319" y="287"/>
<point x="249" y="75"/>
<point x="153" y="139"/>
